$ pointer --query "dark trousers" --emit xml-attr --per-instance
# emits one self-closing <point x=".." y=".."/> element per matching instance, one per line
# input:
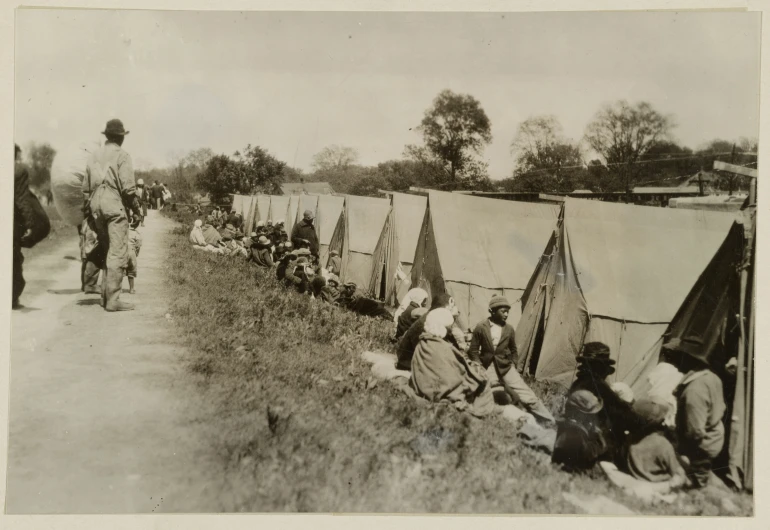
<point x="699" y="469"/>
<point x="18" y="276"/>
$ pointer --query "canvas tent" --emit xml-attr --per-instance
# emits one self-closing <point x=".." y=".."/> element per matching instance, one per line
<point x="306" y="202"/>
<point x="474" y="247"/>
<point x="719" y="311"/>
<point x="241" y="204"/>
<point x="263" y="208"/>
<point x="279" y="205"/>
<point x="355" y="237"/>
<point x="327" y="214"/>
<point x="395" y="250"/>
<point x="249" y="219"/>
<point x="613" y="273"/>
<point x="291" y="213"/>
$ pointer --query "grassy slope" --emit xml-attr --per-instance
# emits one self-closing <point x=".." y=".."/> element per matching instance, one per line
<point x="333" y="443"/>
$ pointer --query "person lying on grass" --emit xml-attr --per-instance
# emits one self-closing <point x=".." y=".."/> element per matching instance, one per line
<point x="494" y="347"/>
<point x="353" y="300"/>
<point x="407" y="344"/>
<point x="578" y="434"/>
<point x="441" y="372"/>
<point x="648" y="453"/>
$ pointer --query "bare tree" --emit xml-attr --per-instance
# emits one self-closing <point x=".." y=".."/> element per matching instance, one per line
<point x="622" y="134"/>
<point x="334" y="158"/>
<point x="539" y="144"/>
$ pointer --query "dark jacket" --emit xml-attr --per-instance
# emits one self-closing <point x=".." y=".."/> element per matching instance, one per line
<point x="483" y="351"/>
<point x="283" y="265"/>
<point x="261" y="255"/>
<point x="28" y="213"/>
<point x="234" y="220"/>
<point x="405" y="320"/>
<point x="157" y="191"/>
<point x="617" y="416"/>
<point x="296" y="280"/>
<point x="700" y="408"/>
<point x="305" y="230"/>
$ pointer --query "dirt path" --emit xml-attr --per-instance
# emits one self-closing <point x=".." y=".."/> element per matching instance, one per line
<point x="102" y="416"/>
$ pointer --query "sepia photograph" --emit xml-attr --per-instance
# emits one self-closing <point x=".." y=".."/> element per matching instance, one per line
<point x="383" y="262"/>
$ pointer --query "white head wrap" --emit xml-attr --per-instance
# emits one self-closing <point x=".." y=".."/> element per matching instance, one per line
<point x="415" y="295"/>
<point x="438" y="321"/>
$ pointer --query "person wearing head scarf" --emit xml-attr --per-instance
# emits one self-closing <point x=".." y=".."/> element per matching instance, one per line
<point x="408" y="342"/>
<point x="649" y="454"/>
<point x="493" y="345"/>
<point x="441" y="372"/>
<point x="415" y="298"/>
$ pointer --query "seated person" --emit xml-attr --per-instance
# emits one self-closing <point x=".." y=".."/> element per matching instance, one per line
<point x="353" y="300"/>
<point x="288" y="260"/>
<point x="260" y="254"/>
<point x="617" y="417"/>
<point x="648" y="454"/>
<point x="409" y="340"/>
<point x="335" y="263"/>
<point x="700" y="411"/>
<point x="494" y="345"/>
<point x="440" y="372"/>
<point x="198" y="239"/>
<point x="414" y="298"/>
<point x="298" y="276"/>
<point x="581" y="436"/>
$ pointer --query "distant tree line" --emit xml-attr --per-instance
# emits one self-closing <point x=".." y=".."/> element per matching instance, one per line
<point x="625" y="145"/>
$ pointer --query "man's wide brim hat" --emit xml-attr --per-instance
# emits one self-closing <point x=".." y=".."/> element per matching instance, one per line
<point x="596" y="353"/>
<point x="115" y="128"/>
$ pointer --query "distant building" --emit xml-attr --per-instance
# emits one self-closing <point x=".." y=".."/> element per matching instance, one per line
<point x="297" y="188"/>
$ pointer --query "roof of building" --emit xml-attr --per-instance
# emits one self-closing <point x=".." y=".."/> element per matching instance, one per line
<point x="295" y="188"/>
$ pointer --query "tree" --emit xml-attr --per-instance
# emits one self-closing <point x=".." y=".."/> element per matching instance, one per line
<point x="334" y="157"/>
<point x="542" y="153"/>
<point x="221" y="177"/>
<point x="41" y="157"/>
<point x="622" y="134"/>
<point x="262" y="171"/>
<point x="454" y="128"/>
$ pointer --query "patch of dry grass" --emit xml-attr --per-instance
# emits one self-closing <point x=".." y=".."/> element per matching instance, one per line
<point x="296" y="427"/>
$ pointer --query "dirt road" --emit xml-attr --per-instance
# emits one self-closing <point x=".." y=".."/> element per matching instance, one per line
<point x="102" y="416"/>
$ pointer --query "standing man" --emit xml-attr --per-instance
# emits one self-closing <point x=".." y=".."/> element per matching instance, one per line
<point x="157" y="196"/>
<point x="109" y="190"/>
<point x="303" y="235"/>
<point x="30" y="223"/>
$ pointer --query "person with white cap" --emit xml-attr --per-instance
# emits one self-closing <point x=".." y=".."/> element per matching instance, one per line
<point x="304" y="233"/>
<point x="109" y="191"/>
<point x="144" y="197"/>
<point x="493" y="345"/>
<point x="260" y="253"/>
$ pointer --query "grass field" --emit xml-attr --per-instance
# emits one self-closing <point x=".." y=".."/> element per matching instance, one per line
<point x="298" y="425"/>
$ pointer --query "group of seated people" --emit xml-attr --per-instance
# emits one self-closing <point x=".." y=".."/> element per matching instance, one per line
<point x="670" y="436"/>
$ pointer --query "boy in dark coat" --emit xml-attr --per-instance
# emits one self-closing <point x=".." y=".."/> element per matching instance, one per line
<point x="494" y="344"/>
<point x="260" y="253"/>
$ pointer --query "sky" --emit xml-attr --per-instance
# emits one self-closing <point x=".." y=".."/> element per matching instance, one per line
<point x="295" y="82"/>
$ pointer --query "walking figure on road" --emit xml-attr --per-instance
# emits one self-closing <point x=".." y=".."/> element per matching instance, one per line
<point x="109" y="191"/>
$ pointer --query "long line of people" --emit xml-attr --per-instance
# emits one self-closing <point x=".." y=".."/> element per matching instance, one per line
<point x="670" y="436"/>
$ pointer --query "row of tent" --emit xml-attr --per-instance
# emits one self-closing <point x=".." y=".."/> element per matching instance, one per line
<point x="577" y="272"/>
